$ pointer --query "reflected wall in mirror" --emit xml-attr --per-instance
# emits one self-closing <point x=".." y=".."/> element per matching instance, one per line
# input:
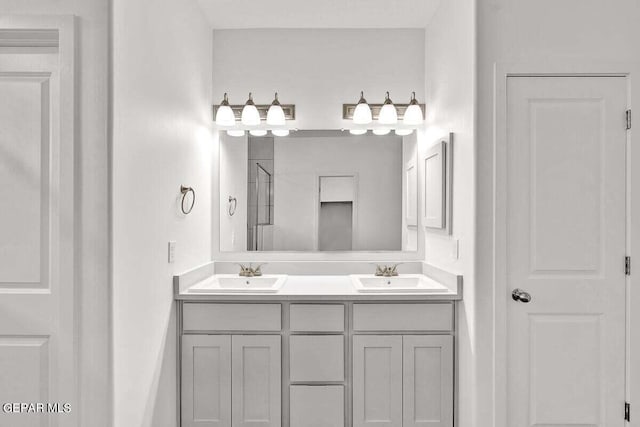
<point x="324" y="190"/>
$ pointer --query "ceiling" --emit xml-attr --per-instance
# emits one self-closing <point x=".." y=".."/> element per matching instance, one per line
<point x="231" y="14"/>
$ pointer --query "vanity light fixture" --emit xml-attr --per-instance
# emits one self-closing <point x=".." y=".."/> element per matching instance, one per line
<point x="280" y="132"/>
<point x="413" y="114"/>
<point x="250" y="114"/>
<point x="381" y="132"/>
<point x="357" y="131"/>
<point x="403" y="132"/>
<point x="224" y="115"/>
<point x="388" y="114"/>
<point x="235" y="132"/>
<point x="258" y="132"/>
<point x="362" y="113"/>
<point x="275" y="114"/>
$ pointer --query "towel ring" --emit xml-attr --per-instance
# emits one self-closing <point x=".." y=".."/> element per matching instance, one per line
<point x="233" y="203"/>
<point x="186" y="190"/>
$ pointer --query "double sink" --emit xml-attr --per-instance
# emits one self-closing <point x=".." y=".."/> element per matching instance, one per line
<point x="364" y="283"/>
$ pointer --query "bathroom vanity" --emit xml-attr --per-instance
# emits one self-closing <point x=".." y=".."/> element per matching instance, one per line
<point x="316" y="352"/>
<point x="334" y="342"/>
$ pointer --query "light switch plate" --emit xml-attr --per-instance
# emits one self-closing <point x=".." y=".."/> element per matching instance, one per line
<point x="172" y="251"/>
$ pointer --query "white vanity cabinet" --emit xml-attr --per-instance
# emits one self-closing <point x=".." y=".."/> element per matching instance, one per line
<point x="402" y="379"/>
<point x="231" y="380"/>
<point x="206" y="381"/>
<point x="231" y="365"/>
<point x="316" y="363"/>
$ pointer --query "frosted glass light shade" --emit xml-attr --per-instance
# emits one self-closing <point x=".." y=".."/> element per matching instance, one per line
<point x="250" y="114"/>
<point x="362" y="113"/>
<point x="357" y="131"/>
<point x="224" y="114"/>
<point x="388" y="114"/>
<point x="258" y="132"/>
<point x="381" y="132"/>
<point x="413" y="113"/>
<point x="403" y="132"/>
<point x="235" y="133"/>
<point x="280" y="132"/>
<point x="275" y="114"/>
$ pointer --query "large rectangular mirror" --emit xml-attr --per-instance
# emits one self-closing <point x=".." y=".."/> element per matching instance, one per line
<point x="324" y="190"/>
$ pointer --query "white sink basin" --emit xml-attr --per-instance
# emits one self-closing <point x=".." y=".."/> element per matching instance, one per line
<point x="221" y="283"/>
<point x="401" y="283"/>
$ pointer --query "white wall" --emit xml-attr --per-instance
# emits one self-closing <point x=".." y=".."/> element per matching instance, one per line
<point x="298" y="161"/>
<point x="450" y="103"/>
<point x="318" y="70"/>
<point x="161" y="139"/>
<point x="233" y="182"/>
<point x="92" y="195"/>
<point x="547" y="33"/>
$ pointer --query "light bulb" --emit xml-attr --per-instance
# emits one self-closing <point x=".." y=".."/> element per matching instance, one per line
<point x="280" y="132"/>
<point x="381" y="132"/>
<point x="403" y="132"/>
<point x="357" y="131"/>
<point x="250" y="114"/>
<point x="388" y="114"/>
<point x="362" y="113"/>
<point x="258" y="132"/>
<point x="224" y="114"/>
<point x="235" y="132"/>
<point x="413" y="113"/>
<point x="275" y="114"/>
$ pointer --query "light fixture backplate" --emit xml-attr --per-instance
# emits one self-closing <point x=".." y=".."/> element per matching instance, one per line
<point x="289" y="110"/>
<point x="348" y="110"/>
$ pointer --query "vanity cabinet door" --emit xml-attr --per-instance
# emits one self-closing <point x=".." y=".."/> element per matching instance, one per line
<point x="206" y="381"/>
<point x="377" y="381"/>
<point x="427" y="381"/>
<point x="256" y="379"/>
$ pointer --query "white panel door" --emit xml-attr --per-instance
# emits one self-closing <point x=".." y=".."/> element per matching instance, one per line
<point x="427" y="380"/>
<point x="566" y="248"/>
<point x="37" y="342"/>
<point x="256" y="379"/>
<point x="206" y="381"/>
<point x="377" y="380"/>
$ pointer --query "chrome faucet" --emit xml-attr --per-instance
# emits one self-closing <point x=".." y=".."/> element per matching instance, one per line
<point x="250" y="271"/>
<point x="386" y="270"/>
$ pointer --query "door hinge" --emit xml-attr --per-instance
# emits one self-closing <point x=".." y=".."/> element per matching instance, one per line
<point x="627" y="411"/>
<point x="627" y="265"/>
<point x="628" y="119"/>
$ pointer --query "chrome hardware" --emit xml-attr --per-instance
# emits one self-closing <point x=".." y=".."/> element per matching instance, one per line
<point x="520" y="295"/>
<point x="627" y="266"/>
<point x="386" y="270"/>
<point x="233" y="204"/>
<point x="250" y="271"/>
<point x="186" y="190"/>
<point x="627" y="411"/>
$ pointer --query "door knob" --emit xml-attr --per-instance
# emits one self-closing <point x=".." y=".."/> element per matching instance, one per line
<point x="520" y="295"/>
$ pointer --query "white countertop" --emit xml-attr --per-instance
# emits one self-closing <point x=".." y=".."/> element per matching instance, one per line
<point x="313" y="287"/>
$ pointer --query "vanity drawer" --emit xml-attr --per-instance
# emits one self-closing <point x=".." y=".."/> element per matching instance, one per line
<point x="316" y="406"/>
<point x="316" y="358"/>
<point x="403" y="317"/>
<point x="316" y="317"/>
<point x="231" y="317"/>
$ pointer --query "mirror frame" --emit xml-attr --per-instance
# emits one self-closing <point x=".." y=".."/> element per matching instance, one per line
<point x="267" y="256"/>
